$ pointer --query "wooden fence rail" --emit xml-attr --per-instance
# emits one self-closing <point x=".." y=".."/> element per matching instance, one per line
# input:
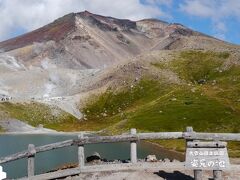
<point x="133" y="138"/>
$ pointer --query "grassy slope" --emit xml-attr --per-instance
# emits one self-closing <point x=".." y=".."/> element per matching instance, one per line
<point x="37" y="113"/>
<point x="208" y="100"/>
<point x="1" y="129"/>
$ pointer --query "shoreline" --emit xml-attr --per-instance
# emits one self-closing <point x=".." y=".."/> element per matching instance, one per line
<point x="17" y="127"/>
<point x="180" y="155"/>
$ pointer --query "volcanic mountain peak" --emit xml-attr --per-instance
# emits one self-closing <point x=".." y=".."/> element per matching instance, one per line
<point x="111" y="22"/>
<point x="61" y="27"/>
<point x="53" y="31"/>
<point x="65" y="25"/>
<point x="86" y="41"/>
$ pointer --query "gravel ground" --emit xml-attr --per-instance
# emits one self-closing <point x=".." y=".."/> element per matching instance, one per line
<point x="178" y="174"/>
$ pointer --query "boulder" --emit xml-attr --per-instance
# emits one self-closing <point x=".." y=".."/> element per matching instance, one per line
<point x="125" y="161"/>
<point x="201" y="81"/>
<point x="175" y="160"/>
<point x="151" y="158"/>
<point x="166" y="160"/>
<point x="95" y="157"/>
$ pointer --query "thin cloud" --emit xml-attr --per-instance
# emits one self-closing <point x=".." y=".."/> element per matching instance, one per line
<point x="29" y="15"/>
<point x="167" y="3"/>
<point x="217" y="10"/>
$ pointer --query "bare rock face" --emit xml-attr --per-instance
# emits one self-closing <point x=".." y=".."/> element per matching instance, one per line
<point x="87" y="41"/>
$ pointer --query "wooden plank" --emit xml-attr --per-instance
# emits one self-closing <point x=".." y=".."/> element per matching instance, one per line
<point x="106" y="139"/>
<point x="133" y="147"/>
<point x="55" y="145"/>
<point x="26" y="153"/>
<point x="201" y="144"/>
<point x="14" y="157"/>
<point x="212" y="136"/>
<point x="160" y="135"/>
<point x="130" y="137"/>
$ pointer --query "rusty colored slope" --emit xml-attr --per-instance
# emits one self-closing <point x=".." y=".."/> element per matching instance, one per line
<point x="53" y="31"/>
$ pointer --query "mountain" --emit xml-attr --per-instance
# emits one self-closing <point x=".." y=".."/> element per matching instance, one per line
<point x="148" y="74"/>
<point x="88" y="41"/>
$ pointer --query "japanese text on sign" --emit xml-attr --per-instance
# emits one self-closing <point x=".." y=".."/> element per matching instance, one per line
<point x="207" y="158"/>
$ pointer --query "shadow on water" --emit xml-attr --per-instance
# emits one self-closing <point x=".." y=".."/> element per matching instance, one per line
<point x="175" y="175"/>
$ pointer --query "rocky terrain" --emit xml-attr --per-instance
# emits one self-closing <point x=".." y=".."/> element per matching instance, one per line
<point x="81" y="55"/>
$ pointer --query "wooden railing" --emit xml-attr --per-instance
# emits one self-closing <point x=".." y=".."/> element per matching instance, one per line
<point x="133" y="138"/>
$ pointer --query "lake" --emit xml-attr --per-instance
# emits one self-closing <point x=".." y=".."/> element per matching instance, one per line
<point x="50" y="160"/>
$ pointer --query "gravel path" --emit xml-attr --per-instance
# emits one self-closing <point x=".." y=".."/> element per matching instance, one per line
<point x="18" y="127"/>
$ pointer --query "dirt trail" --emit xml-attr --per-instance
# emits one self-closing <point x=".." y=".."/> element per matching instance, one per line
<point x="17" y="127"/>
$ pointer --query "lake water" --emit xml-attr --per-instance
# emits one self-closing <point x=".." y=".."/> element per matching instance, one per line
<point x="50" y="160"/>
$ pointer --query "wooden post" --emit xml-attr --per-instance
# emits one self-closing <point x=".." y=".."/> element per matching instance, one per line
<point x="217" y="174"/>
<point x="31" y="156"/>
<point x="133" y="148"/>
<point x="188" y="129"/>
<point x="81" y="157"/>
<point x="197" y="172"/>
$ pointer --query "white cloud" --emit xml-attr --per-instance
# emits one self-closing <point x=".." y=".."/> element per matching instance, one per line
<point x="198" y="8"/>
<point x="167" y="3"/>
<point x="220" y="26"/>
<point x="32" y="14"/>
<point x="217" y="10"/>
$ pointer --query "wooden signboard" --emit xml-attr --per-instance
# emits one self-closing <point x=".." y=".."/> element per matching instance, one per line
<point x="207" y="156"/>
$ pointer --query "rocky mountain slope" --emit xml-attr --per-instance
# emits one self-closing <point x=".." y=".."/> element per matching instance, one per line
<point x="81" y="54"/>
<point x="89" y="41"/>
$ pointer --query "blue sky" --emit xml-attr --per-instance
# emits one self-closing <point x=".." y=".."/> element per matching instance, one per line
<point x="218" y="18"/>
